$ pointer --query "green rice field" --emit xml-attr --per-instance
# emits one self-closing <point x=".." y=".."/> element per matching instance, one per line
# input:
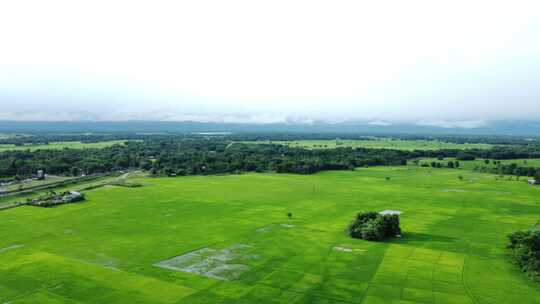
<point x="379" y="143"/>
<point x="61" y="145"/>
<point x="227" y="239"/>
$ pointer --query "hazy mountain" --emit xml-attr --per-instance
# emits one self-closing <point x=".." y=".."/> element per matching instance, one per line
<point x="523" y="128"/>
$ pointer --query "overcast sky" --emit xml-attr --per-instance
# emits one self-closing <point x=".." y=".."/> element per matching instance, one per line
<point x="270" y="61"/>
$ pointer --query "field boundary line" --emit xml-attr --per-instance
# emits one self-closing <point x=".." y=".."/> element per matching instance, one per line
<point x="464" y="281"/>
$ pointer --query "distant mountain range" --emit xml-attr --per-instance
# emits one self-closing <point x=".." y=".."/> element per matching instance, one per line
<point x="518" y="128"/>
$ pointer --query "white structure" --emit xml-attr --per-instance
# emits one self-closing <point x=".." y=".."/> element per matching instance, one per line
<point x="533" y="182"/>
<point x="390" y="212"/>
<point x="74" y="194"/>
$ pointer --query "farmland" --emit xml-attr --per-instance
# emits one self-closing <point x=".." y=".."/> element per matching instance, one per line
<point x="61" y="145"/>
<point x="377" y="143"/>
<point x="227" y="239"/>
<point x="471" y="164"/>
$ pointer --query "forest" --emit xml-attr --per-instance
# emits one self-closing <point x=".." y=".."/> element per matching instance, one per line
<point x="203" y="155"/>
<point x="191" y="156"/>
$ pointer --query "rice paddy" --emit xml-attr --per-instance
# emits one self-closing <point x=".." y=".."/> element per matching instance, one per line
<point x="376" y="143"/>
<point x="228" y="239"/>
<point x="61" y="145"/>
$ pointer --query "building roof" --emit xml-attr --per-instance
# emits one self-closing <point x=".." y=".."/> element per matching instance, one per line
<point x="391" y="212"/>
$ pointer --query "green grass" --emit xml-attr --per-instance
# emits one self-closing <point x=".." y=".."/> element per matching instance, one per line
<point x="104" y="250"/>
<point x="61" y="145"/>
<point x="379" y="143"/>
<point x="10" y="200"/>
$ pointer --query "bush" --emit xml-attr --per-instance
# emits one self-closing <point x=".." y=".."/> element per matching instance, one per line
<point x="373" y="226"/>
<point x="525" y="247"/>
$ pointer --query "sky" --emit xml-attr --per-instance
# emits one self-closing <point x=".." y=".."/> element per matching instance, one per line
<point x="456" y="63"/>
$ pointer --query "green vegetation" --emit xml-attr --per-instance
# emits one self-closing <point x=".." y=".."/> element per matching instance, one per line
<point x="517" y="167"/>
<point x="525" y="246"/>
<point x="204" y="156"/>
<point x="373" y="226"/>
<point x="378" y="143"/>
<point x="21" y="198"/>
<point x="226" y="239"/>
<point x="31" y="183"/>
<point x="52" y="199"/>
<point x="192" y="156"/>
<point x="61" y="145"/>
<point x="12" y="137"/>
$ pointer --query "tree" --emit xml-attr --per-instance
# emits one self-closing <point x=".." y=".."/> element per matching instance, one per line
<point x="374" y="226"/>
<point x="465" y="156"/>
<point x="75" y="171"/>
<point x="525" y="247"/>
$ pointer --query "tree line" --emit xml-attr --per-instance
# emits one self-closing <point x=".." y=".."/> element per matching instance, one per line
<point x="184" y="155"/>
<point x="33" y="138"/>
<point x="511" y="169"/>
<point x="189" y="156"/>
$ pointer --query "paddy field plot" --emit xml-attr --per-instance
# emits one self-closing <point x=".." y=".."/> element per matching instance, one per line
<point x="379" y="143"/>
<point x="58" y="145"/>
<point x="228" y="239"/>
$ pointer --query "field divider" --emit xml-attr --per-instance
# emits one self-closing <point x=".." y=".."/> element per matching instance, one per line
<point x="464" y="281"/>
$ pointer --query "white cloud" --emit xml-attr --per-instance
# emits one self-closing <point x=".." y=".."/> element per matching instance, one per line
<point x="458" y="60"/>
<point x="464" y="124"/>
<point x="251" y="119"/>
<point x="380" y="123"/>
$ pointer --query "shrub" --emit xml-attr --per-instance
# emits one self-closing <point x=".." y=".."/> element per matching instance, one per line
<point x="525" y="247"/>
<point x="374" y="226"/>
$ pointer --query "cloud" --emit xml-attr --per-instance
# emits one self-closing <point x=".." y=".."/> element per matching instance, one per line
<point x="270" y="61"/>
<point x="239" y="119"/>
<point x="464" y="124"/>
<point x="380" y="123"/>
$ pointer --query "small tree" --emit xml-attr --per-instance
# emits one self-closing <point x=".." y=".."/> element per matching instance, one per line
<point x="537" y="176"/>
<point x="289" y="215"/>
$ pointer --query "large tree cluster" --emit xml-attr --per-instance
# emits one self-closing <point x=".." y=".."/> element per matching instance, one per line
<point x="525" y="247"/>
<point x="373" y="226"/>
